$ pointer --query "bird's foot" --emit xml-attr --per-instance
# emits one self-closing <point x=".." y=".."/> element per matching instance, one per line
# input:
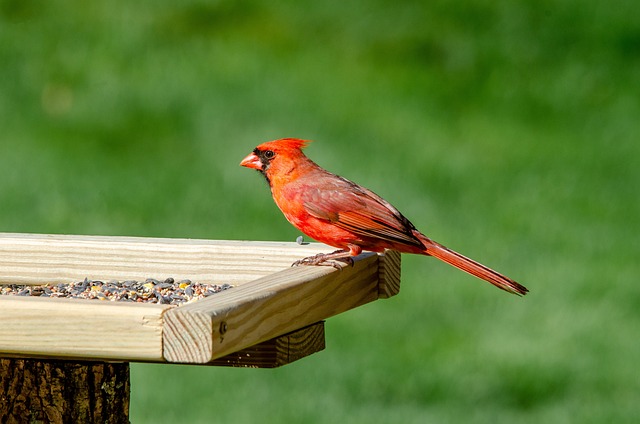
<point x="335" y="259"/>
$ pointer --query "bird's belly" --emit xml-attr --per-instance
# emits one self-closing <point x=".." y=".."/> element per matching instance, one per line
<point x="323" y="231"/>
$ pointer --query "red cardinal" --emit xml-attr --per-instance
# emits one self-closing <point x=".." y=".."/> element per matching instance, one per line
<point x="340" y="213"/>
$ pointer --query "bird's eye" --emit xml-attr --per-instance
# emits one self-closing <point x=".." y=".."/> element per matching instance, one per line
<point x="269" y="154"/>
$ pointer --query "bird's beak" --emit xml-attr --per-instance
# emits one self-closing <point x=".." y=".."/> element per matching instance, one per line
<point x="252" y="161"/>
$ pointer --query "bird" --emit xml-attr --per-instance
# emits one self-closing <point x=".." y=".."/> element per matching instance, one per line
<point x="340" y="213"/>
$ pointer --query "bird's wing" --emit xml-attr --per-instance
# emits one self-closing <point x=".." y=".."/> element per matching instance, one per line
<point x="356" y="209"/>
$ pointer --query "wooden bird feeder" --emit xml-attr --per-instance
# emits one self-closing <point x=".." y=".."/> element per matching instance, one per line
<point x="273" y="315"/>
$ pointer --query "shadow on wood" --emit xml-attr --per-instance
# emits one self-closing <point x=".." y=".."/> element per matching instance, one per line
<point x="278" y="351"/>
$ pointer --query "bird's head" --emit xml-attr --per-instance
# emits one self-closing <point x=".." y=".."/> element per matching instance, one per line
<point x="276" y="158"/>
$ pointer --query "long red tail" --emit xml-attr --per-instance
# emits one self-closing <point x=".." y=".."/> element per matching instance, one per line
<point x="474" y="268"/>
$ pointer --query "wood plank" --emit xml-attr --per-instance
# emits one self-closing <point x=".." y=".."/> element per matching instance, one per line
<point x="267" y="307"/>
<point x="77" y="328"/>
<point x="389" y="274"/>
<point x="46" y="334"/>
<point x="263" y="305"/>
<point x="43" y="258"/>
<point x="278" y="351"/>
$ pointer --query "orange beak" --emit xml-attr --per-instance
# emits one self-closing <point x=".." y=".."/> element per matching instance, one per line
<point x="252" y="161"/>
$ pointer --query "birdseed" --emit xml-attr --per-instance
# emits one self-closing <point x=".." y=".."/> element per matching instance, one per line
<point x="169" y="291"/>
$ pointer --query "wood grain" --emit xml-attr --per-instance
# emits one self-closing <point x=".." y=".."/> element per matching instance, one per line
<point x="267" y="307"/>
<point x="75" y="328"/>
<point x="269" y="298"/>
<point x="389" y="274"/>
<point x="278" y="351"/>
<point x="41" y="258"/>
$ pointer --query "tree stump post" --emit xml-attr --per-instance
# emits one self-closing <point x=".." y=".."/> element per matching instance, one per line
<point x="55" y="391"/>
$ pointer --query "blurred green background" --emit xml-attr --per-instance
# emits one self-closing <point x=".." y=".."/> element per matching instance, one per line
<point x="506" y="130"/>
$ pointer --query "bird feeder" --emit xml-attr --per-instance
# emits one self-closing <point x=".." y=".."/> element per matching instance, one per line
<point x="272" y="314"/>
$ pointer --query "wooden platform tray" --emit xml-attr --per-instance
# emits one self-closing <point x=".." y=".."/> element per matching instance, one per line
<point x="272" y="315"/>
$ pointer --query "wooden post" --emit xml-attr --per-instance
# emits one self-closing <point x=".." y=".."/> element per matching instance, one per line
<point x="44" y="391"/>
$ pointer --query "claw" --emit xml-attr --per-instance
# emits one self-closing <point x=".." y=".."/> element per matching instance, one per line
<point x="334" y="259"/>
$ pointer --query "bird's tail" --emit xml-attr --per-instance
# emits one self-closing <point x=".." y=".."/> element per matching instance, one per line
<point x="474" y="268"/>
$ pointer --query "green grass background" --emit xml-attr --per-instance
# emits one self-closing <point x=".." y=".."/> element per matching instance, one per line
<point x="506" y="130"/>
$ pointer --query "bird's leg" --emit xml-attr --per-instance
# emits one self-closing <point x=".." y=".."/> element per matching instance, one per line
<point x="330" y="259"/>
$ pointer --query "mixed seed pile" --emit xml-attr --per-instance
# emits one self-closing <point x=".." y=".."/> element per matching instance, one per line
<point x="168" y="292"/>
